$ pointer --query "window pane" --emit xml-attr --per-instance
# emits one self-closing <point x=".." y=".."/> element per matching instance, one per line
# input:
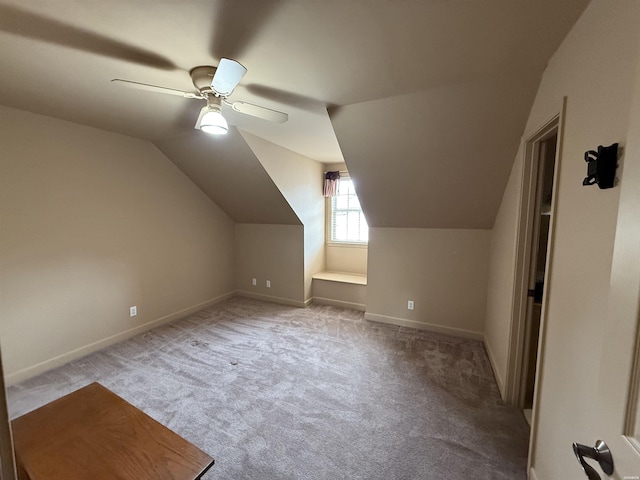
<point x="347" y="220"/>
<point x="353" y="226"/>
<point x="340" y="226"/>
<point x="341" y="202"/>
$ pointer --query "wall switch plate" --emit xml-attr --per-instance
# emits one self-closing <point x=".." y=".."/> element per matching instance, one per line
<point x="133" y="311"/>
<point x="410" y="304"/>
<point x="254" y="282"/>
<point x="268" y="283"/>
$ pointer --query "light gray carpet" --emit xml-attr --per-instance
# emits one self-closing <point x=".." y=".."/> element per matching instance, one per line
<point x="276" y="392"/>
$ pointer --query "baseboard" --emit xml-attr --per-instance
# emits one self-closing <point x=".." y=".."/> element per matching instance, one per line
<point x="269" y="298"/>
<point x="532" y="474"/>
<point x="41" y="367"/>
<point x="494" y="366"/>
<point x="402" y="322"/>
<point x="339" y="303"/>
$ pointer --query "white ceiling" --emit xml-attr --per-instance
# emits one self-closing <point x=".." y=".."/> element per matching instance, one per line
<point x="303" y="57"/>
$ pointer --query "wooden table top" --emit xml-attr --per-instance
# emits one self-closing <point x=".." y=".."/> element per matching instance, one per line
<point x="94" y="434"/>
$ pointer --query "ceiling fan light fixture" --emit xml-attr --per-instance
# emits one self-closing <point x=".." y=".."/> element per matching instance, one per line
<point x="211" y="120"/>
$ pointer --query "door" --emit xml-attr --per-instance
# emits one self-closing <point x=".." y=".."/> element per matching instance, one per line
<point x="615" y="415"/>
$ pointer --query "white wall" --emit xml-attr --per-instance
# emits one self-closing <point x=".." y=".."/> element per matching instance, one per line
<point x="443" y="271"/>
<point x="91" y="223"/>
<point x="595" y="68"/>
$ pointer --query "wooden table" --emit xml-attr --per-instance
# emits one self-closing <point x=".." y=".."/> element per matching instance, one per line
<point x="93" y="434"/>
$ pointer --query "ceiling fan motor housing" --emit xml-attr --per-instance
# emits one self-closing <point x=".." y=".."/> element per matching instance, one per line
<point x="202" y="77"/>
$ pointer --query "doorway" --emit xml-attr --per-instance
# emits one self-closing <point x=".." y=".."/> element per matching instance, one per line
<point x="534" y="246"/>
<point x="539" y="243"/>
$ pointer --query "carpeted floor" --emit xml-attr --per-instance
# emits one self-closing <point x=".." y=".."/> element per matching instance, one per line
<point x="276" y="392"/>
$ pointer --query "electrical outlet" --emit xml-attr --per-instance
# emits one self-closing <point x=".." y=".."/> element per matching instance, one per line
<point x="410" y="304"/>
<point x="254" y="282"/>
<point x="268" y="283"/>
<point x="133" y="311"/>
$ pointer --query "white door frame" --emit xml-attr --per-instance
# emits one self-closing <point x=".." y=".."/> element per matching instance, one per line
<point x="7" y="454"/>
<point x="525" y="224"/>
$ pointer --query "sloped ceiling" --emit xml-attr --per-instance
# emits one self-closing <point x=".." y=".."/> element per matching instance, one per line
<point x="229" y="173"/>
<point x="359" y="58"/>
<point x="436" y="159"/>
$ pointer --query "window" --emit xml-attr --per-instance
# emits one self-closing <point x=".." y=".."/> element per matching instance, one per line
<point x="347" y="222"/>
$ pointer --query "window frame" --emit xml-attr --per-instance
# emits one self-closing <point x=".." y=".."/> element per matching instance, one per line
<point x="328" y="223"/>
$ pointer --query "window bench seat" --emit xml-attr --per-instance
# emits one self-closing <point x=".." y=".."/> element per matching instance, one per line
<point x="355" y="278"/>
<point x="340" y="289"/>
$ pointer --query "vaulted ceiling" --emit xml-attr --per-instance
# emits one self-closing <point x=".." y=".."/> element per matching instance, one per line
<point x="424" y="100"/>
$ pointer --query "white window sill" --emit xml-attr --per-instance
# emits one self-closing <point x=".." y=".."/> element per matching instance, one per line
<point x="348" y="244"/>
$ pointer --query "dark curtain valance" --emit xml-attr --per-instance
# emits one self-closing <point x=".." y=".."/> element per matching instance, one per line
<point x="330" y="184"/>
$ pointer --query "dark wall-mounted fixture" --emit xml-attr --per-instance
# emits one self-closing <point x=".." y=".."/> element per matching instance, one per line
<point x="601" y="166"/>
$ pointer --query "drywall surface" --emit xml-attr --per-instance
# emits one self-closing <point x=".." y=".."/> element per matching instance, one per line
<point x="226" y="169"/>
<point x="339" y="294"/>
<point x="453" y="145"/>
<point x="597" y="113"/>
<point x="91" y="224"/>
<point x="274" y="253"/>
<point x="501" y="276"/>
<point x="443" y="271"/>
<point x="299" y="179"/>
<point x="346" y="258"/>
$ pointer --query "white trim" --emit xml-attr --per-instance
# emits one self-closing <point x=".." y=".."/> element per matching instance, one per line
<point x="272" y="299"/>
<point x="328" y="217"/>
<point x="333" y="243"/>
<point x="59" y="360"/>
<point x="542" y="342"/>
<point x="7" y="452"/>
<point x="494" y="366"/>
<point x="402" y="322"/>
<point x="340" y="303"/>
<point x="532" y="474"/>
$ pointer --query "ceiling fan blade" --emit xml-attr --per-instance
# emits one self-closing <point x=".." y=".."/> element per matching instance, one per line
<point x="227" y="76"/>
<point x="155" y="88"/>
<point x="260" y="112"/>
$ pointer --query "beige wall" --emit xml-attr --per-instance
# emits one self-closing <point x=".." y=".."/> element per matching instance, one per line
<point x="501" y="276"/>
<point x="443" y="271"/>
<point x="271" y="252"/>
<point x="299" y="179"/>
<point x="92" y="223"/>
<point x="595" y="69"/>
<point x="340" y="294"/>
<point x="346" y="258"/>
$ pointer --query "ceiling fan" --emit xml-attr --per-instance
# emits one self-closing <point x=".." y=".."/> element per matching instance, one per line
<point x="215" y="85"/>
